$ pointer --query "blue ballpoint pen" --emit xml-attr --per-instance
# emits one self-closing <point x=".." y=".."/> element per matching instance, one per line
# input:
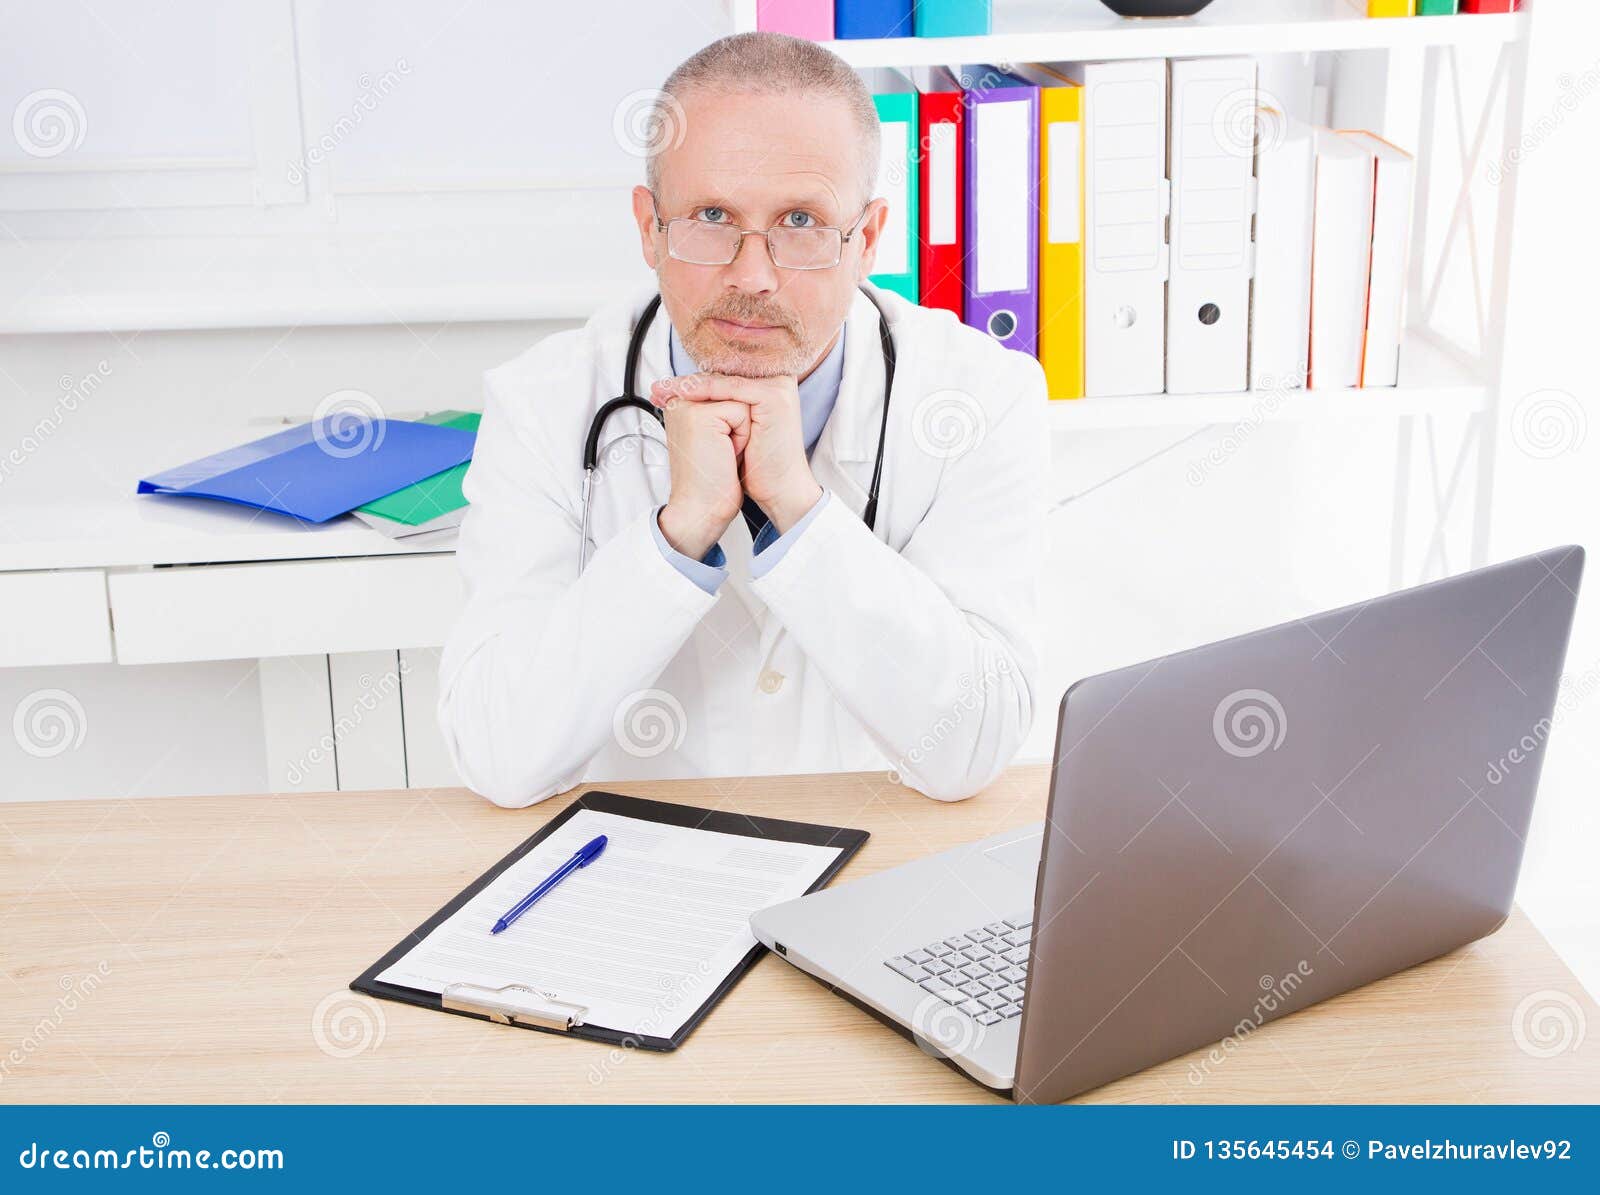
<point x="585" y="856"/>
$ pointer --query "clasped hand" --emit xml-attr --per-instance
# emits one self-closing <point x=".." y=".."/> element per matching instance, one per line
<point x="729" y="438"/>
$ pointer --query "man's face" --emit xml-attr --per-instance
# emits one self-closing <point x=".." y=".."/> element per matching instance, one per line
<point x="759" y="161"/>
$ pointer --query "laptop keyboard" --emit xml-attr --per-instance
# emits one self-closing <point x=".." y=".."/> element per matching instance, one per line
<point x="982" y="972"/>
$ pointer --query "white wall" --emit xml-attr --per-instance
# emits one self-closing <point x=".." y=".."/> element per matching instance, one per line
<point x="1548" y="449"/>
<point x="430" y="234"/>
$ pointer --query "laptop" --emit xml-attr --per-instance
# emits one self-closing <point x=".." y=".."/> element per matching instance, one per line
<point x="1233" y="833"/>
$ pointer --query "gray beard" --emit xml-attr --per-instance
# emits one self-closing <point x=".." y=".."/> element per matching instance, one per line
<point x="711" y="355"/>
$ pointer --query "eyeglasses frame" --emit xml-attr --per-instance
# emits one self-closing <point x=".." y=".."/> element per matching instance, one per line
<point x="845" y="236"/>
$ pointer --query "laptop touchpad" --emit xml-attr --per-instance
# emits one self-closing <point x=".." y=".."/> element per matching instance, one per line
<point x="1021" y="854"/>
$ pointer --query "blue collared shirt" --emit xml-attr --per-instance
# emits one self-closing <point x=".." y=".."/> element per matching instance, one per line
<point x="819" y="391"/>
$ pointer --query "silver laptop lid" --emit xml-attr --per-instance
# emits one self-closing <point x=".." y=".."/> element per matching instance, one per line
<point x="1241" y="830"/>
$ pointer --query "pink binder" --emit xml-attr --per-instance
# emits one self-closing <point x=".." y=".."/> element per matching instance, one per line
<point x="811" y="19"/>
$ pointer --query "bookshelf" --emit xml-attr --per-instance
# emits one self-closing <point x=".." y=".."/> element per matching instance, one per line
<point x="1433" y="382"/>
<point x="1450" y="88"/>
<point x="1085" y="30"/>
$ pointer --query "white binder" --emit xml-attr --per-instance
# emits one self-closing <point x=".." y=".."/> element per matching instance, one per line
<point x="1340" y="256"/>
<point x="1212" y="164"/>
<point x="1395" y="179"/>
<point x="1126" y="203"/>
<point x="1280" y="302"/>
<point x="1280" y="299"/>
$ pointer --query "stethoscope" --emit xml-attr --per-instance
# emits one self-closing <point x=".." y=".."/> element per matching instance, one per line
<point x="630" y="398"/>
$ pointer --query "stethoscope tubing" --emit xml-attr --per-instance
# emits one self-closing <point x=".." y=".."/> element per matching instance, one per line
<point x="630" y="398"/>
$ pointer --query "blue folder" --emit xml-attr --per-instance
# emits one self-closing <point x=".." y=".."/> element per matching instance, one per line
<point x="318" y="471"/>
<point x="873" y="18"/>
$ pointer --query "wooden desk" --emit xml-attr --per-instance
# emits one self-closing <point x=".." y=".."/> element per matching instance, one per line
<point x="220" y="934"/>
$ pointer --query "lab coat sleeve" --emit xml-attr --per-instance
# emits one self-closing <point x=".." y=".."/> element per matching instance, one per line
<point x="932" y="649"/>
<point x="541" y="658"/>
<point x="709" y="572"/>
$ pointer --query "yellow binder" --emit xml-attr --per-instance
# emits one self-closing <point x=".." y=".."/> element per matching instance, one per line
<point x="1061" y="236"/>
<point x="1391" y="8"/>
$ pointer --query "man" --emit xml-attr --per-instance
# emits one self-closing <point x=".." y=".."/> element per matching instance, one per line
<point x="735" y="614"/>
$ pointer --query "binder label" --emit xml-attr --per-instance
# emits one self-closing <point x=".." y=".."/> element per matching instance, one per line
<point x="894" y="248"/>
<point x="1002" y="195"/>
<point x="942" y="183"/>
<point x="1064" y="218"/>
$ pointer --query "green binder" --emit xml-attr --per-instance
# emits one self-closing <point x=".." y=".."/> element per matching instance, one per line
<point x="1436" y="8"/>
<point x="429" y="499"/>
<point x="897" y="182"/>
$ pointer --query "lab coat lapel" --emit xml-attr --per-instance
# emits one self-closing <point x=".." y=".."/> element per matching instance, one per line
<point x="841" y="462"/>
<point x="843" y="458"/>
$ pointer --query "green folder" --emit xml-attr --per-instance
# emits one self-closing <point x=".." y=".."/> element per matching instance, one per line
<point x="897" y="117"/>
<point x="432" y="497"/>
<point x="1436" y="8"/>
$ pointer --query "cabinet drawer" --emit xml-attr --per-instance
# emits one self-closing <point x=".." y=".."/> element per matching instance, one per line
<point x="285" y="608"/>
<point x="54" y="618"/>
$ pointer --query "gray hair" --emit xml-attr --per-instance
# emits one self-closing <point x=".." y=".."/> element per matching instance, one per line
<point x="765" y="64"/>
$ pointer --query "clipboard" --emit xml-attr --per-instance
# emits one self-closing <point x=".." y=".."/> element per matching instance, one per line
<point x="529" y="1008"/>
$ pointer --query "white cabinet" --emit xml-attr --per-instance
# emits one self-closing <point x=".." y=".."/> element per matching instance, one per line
<point x="283" y="608"/>
<point x="54" y="618"/>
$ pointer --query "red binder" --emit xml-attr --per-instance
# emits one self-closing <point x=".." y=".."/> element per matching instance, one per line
<point x="1483" y="6"/>
<point x="941" y="175"/>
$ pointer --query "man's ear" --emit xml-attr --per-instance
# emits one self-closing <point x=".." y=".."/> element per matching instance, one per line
<point x="869" y="232"/>
<point x="644" y="213"/>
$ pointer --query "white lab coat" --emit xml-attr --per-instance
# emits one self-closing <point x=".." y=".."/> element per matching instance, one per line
<point x="912" y="650"/>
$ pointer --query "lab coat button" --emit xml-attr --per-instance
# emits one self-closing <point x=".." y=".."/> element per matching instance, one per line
<point x="770" y="681"/>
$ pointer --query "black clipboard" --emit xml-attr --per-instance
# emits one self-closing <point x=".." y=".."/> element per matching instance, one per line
<point x="849" y="842"/>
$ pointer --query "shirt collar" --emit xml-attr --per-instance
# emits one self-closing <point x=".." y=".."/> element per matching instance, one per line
<point x="819" y="390"/>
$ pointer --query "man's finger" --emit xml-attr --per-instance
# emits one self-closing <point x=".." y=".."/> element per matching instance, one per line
<point x="733" y="418"/>
<point x="719" y="387"/>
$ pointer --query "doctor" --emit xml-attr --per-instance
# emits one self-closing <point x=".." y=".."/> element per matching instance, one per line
<point x="735" y="614"/>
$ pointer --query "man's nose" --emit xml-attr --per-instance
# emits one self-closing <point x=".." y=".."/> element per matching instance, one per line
<point x="752" y="269"/>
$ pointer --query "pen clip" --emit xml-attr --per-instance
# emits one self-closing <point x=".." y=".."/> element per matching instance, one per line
<point x="514" y="1004"/>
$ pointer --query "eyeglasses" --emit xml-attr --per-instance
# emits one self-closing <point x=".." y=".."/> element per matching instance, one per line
<point x="700" y="243"/>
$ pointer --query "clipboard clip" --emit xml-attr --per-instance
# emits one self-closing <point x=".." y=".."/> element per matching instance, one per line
<point x="514" y="1004"/>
